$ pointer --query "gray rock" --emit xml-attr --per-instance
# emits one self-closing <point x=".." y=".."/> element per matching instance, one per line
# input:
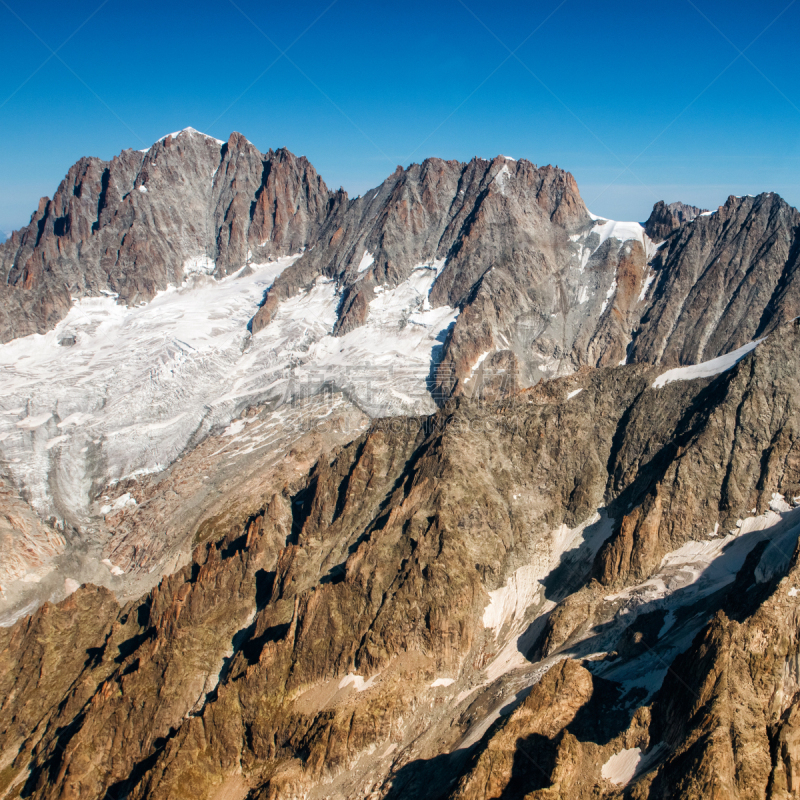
<point x="722" y="280"/>
<point x="665" y="218"/>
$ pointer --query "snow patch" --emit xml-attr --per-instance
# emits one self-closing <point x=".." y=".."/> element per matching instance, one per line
<point x="199" y="265"/>
<point x="236" y="427"/>
<point x="574" y="393"/>
<point x="509" y="603"/>
<point x="124" y="501"/>
<point x="358" y="682"/>
<point x="442" y="682"/>
<point x="502" y="178"/>
<point x="609" y="294"/>
<point x="621" y="767"/>
<point x="367" y="261"/>
<point x="646" y="286"/>
<point x="115" y="570"/>
<point x="708" y="368"/>
<point x="623" y="231"/>
<point x="606" y="229"/>
<point x="708" y="566"/>
<point x="476" y="365"/>
<point x="778" y="503"/>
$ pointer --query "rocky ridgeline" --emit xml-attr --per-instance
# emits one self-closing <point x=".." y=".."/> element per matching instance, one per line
<point x="543" y="287"/>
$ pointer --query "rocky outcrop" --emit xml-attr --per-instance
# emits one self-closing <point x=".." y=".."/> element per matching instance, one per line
<point x="665" y="218"/>
<point x="506" y="766"/>
<point x="26" y="542"/>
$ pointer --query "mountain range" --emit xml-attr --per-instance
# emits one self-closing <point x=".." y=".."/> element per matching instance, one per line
<point x="450" y="490"/>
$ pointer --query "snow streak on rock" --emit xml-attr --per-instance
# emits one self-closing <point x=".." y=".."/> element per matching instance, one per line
<point x="708" y="368"/>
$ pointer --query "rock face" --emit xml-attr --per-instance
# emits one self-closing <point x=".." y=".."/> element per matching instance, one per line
<point x="367" y="630"/>
<point x="664" y="219"/>
<point x="543" y="287"/>
<point x="721" y="281"/>
<point x="145" y="220"/>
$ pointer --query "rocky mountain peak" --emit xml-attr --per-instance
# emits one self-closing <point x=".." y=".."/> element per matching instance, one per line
<point x="146" y="219"/>
<point x="665" y="218"/>
<point x="722" y="280"/>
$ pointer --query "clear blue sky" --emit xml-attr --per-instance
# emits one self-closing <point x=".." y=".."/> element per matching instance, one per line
<point x="640" y="101"/>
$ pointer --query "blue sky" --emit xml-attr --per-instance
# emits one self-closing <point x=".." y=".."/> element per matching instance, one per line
<point x="690" y="100"/>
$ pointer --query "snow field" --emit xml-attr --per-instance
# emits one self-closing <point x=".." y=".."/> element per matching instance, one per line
<point x="141" y="384"/>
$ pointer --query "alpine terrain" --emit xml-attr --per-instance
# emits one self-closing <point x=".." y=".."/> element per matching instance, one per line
<point x="451" y="490"/>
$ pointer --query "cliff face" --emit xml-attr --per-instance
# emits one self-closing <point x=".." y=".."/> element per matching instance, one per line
<point x="721" y="281"/>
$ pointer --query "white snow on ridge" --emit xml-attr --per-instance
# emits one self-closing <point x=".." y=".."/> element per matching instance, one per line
<point x="191" y="131"/>
<point x="188" y="130"/>
<point x="623" y="231"/>
<point x="606" y="229"/>
<point x="708" y="368"/>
